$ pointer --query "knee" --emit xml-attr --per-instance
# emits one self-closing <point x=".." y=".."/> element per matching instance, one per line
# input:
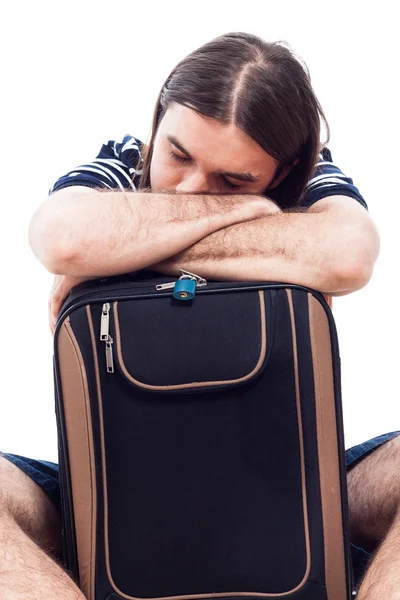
<point x="24" y="501"/>
<point x="388" y="473"/>
<point x="7" y="488"/>
<point x="374" y="493"/>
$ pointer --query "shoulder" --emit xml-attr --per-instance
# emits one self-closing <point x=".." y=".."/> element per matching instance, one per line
<point x="129" y="149"/>
<point x="329" y="180"/>
<point x="118" y="165"/>
<point x="128" y="152"/>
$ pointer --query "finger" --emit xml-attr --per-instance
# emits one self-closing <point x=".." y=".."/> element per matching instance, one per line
<point x="54" y="305"/>
<point x="49" y="311"/>
<point x="55" y="309"/>
<point x="54" y="301"/>
<point x="57" y="300"/>
<point x="51" y="321"/>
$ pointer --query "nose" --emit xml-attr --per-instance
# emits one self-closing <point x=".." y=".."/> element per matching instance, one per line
<point x="192" y="183"/>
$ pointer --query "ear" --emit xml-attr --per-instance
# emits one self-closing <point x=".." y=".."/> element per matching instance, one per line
<point x="284" y="173"/>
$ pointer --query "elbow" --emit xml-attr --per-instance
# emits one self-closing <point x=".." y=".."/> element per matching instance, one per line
<point x="46" y="236"/>
<point x="354" y="268"/>
<point x="353" y="277"/>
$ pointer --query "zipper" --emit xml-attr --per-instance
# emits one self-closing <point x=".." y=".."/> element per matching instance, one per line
<point x="106" y="337"/>
<point x="105" y="322"/>
<point x="130" y="293"/>
<point x="199" y="281"/>
<point x="145" y="292"/>
<point x="184" y="287"/>
<point x="109" y="355"/>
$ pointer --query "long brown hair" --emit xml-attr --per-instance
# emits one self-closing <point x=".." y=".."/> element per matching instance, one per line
<point x="261" y="87"/>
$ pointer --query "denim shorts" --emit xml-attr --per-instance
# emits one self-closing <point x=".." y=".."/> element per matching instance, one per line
<point x="45" y="474"/>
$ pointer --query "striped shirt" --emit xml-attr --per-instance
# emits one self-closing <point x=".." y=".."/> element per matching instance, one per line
<point x="118" y="166"/>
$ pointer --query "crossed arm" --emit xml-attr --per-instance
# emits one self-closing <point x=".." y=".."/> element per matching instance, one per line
<point x="332" y="248"/>
<point x="86" y="233"/>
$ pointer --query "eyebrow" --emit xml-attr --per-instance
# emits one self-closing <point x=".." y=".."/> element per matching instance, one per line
<point x="240" y="176"/>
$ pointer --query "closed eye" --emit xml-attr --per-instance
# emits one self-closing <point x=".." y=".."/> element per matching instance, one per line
<point x="181" y="159"/>
<point x="178" y="158"/>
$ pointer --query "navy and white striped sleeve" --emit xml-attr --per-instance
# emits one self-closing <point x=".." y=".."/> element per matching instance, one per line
<point x="115" y="167"/>
<point x="328" y="180"/>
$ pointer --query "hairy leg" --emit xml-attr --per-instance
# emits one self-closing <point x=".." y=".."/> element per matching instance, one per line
<point x="374" y="501"/>
<point x="382" y="580"/>
<point x="30" y="541"/>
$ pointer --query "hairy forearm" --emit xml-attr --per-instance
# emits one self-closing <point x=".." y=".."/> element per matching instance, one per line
<point x="305" y="248"/>
<point x="84" y="232"/>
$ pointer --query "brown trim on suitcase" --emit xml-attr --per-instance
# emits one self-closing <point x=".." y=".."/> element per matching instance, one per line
<point x="187" y="386"/>
<point x="78" y="425"/>
<point x="328" y="457"/>
<point x="301" y="436"/>
<point x="104" y="473"/>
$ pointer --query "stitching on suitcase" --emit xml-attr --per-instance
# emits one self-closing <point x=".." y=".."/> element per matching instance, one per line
<point x="184" y="386"/>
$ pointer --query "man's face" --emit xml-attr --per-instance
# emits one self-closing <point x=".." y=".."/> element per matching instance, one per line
<point x="195" y="154"/>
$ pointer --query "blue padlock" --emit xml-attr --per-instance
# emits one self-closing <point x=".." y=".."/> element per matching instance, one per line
<point x="184" y="289"/>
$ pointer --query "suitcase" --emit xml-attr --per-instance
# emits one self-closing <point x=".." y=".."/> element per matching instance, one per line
<point x="200" y="440"/>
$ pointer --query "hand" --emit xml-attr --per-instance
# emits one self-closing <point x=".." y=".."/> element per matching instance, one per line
<point x="61" y="287"/>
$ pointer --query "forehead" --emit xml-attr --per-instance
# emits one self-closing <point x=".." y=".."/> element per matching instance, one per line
<point x="214" y="144"/>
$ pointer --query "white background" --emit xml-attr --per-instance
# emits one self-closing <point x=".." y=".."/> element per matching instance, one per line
<point x="75" y="75"/>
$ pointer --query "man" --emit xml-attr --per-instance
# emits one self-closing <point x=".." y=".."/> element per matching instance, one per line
<point x="193" y="219"/>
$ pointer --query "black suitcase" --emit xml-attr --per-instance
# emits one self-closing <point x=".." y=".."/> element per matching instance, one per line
<point x="201" y="444"/>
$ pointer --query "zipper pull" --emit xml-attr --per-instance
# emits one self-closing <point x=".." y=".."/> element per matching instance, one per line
<point x="185" y="286"/>
<point x="165" y="286"/>
<point x="106" y="337"/>
<point x="109" y="355"/>
<point x="105" y="322"/>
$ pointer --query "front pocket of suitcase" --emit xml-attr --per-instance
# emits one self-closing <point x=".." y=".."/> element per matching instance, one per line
<point x="204" y="492"/>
